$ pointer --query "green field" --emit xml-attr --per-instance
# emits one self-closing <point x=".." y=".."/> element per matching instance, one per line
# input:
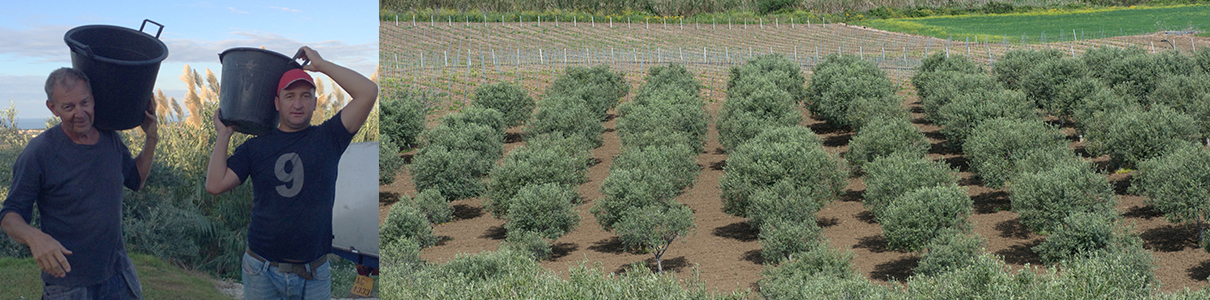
<point x="161" y="280"/>
<point x="1054" y="25"/>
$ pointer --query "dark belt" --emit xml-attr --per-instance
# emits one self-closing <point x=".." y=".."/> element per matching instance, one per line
<point x="304" y="270"/>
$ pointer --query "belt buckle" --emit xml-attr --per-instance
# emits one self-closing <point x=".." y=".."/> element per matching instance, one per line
<point x="298" y="269"/>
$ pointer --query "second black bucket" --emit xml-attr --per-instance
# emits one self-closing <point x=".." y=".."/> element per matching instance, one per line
<point x="122" y="65"/>
<point x="249" y="84"/>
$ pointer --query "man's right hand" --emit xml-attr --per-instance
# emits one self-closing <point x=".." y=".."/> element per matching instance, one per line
<point x="222" y="129"/>
<point x="50" y="254"/>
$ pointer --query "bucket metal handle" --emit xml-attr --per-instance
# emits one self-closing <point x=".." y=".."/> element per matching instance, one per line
<point x="300" y="54"/>
<point x="81" y="47"/>
<point x="157" y="32"/>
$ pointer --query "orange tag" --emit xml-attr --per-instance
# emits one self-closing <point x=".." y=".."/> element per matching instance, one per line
<point x="363" y="286"/>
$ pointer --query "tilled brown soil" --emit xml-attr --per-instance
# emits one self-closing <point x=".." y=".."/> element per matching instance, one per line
<point x="725" y="250"/>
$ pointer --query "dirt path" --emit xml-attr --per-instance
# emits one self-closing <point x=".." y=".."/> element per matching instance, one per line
<point x="726" y="253"/>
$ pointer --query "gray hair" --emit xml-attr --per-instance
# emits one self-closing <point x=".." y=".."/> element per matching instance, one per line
<point x="65" y="77"/>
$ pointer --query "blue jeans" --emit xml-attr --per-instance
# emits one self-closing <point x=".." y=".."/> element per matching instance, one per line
<point x="262" y="281"/>
<point x="124" y="284"/>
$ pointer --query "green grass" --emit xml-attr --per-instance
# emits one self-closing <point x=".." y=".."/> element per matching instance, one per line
<point x="1087" y="23"/>
<point x="161" y="280"/>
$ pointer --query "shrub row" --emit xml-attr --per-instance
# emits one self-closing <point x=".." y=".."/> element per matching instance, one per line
<point x="761" y="95"/>
<point x="1178" y="184"/>
<point x="662" y="132"/>
<point x="847" y="91"/>
<point x="667" y="110"/>
<point x="793" y="154"/>
<point x="1129" y="104"/>
<point x="598" y="88"/>
<point x="459" y="152"/>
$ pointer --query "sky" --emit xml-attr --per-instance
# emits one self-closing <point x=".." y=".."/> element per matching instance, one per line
<point x="31" y="37"/>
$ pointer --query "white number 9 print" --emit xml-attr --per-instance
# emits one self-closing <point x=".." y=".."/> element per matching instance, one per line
<point x="293" y="179"/>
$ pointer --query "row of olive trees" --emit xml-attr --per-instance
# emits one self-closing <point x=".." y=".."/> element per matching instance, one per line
<point x="1145" y="111"/>
<point x="534" y="189"/>
<point x="1055" y="192"/>
<point x="662" y="131"/>
<point x="777" y="173"/>
<point x="917" y="201"/>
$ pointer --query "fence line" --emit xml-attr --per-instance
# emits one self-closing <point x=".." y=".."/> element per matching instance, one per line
<point x="447" y="60"/>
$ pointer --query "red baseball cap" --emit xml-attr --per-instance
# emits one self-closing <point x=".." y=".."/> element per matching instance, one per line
<point x="292" y="76"/>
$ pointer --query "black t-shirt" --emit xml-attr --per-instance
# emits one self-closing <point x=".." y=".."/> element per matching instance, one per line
<point x="293" y="189"/>
<point x="78" y="189"/>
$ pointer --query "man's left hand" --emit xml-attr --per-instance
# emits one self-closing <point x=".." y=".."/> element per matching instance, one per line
<point x="151" y="123"/>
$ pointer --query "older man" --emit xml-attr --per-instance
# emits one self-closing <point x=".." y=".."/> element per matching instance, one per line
<point x="75" y="173"/>
<point x="293" y="171"/>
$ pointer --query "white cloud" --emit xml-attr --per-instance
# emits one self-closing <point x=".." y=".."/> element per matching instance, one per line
<point x="236" y="10"/>
<point x="43" y="43"/>
<point x="360" y="57"/>
<point x="284" y="8"/>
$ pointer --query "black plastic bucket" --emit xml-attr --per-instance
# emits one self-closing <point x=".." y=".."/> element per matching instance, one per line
<point x="249" y="81"/>
<point x="121" y="64"/>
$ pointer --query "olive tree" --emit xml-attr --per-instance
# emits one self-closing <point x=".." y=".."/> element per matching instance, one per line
<point x="1083" y="234"/>
<point x="1134" y="135"/>
<point x="1177" y="184"/>
<point x="533" y="164"/>
<point x="655" y="227"/>
<point x="570" y="116"/>
<point x="744" y="117"/>
<point x="890" y="177"/>
<point x="547" y="209"/>
<point x="996" y="145"/>
<point x="389" y="161"/>
<point x="403" y="120"/>
<point x="786" y="153"/>
<point x="456" y="173"/>
<point x="782" y="202"/>
<point x="959" y="117"/>
<point x="780" y="240"/>
<point x="513" y="102"/>
<point x="884" y="137"/>
<point x="598" y="87"/>
<point x="1043" y="199"/>
<point x="917" y="217"/>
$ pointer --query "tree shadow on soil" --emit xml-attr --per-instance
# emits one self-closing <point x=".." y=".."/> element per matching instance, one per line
<point x="827" y="222"/>
<point x="740" y="231"/>
<point x="754" y="256"/>
<point x="677" y="264"/>
<point x="866" y="216"/>
<point x="851" y="196"/>
<point x="1022" y="253"/>
<point x="1200" y="271"/>
<point x="837" y="140"/>
<point x="512" y="137"/>
<point x="495" y="233"/>
<point x="1013" y="229"/>
<point x="609" y="245"/>
<point x="467" y="212"/>
<point x="825" y="128"/>
<point x="991" y="202"/>
<point x="561" y="250"/>
<point x="1121" y="185"/>
<point x="959" y="162"/>
<point x="718" y="165"/>
<point x="388" y="197"/>
<point x="874" y="243"/>
<point x="1147" y="212"/>
<point x="1170" y="238"/>
<point x="895" y="270"/>
<point x="442" y="239"/>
